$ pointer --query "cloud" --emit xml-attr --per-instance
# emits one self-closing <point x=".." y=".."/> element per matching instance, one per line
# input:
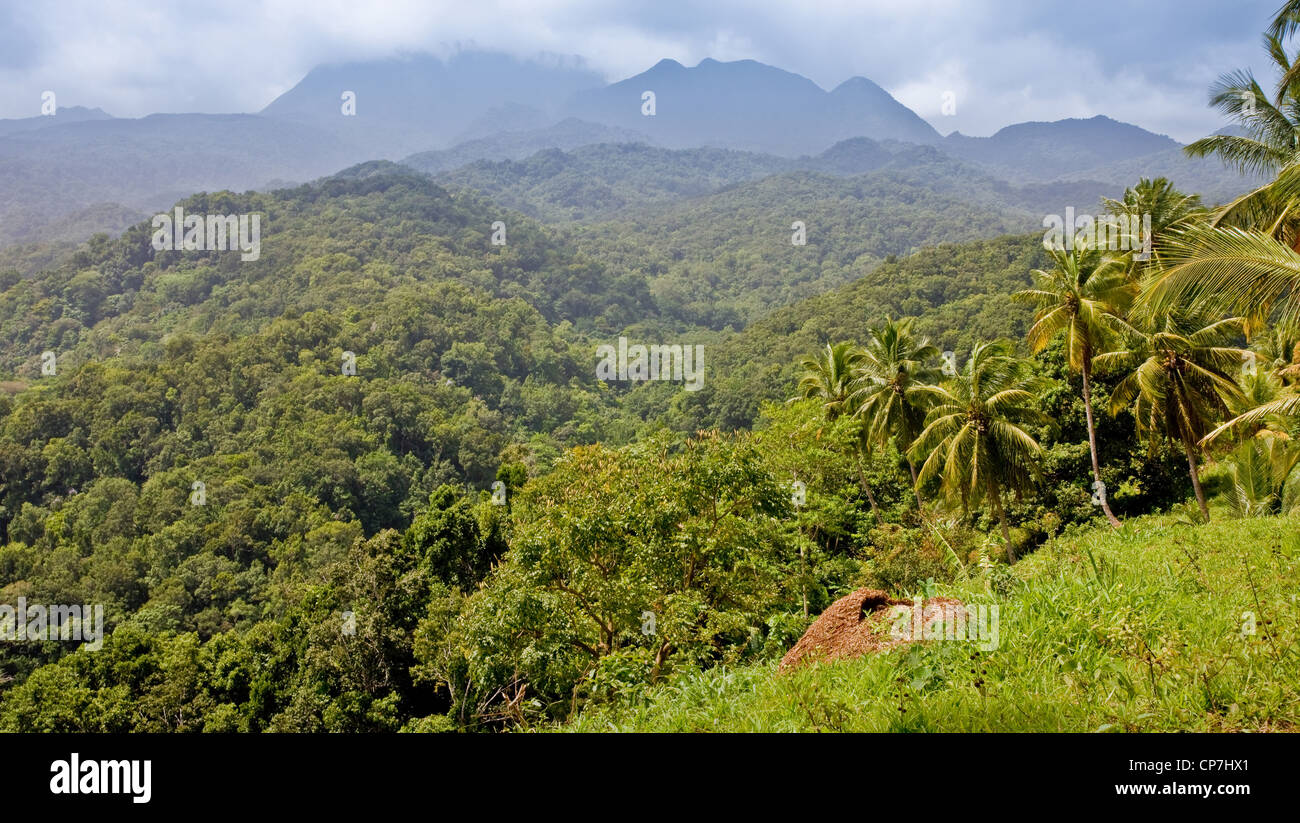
<point x="1004" y="60"/>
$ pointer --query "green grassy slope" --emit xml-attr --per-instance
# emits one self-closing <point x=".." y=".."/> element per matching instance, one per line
<point x="1140" y="630"/>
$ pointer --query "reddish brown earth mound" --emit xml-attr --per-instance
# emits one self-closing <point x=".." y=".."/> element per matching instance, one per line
<point x="859" y="623"/>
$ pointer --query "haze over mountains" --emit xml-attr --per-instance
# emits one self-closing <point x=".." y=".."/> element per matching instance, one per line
<point x="66" y="176"/>
<point x="750" y="106"/>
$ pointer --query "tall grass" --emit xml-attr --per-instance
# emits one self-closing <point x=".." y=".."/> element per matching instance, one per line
<point x="1136" y="630"/>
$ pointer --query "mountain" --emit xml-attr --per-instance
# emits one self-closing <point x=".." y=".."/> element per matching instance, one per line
<point x="1045" y="151"/>
<point x="62" y="116"/>
<point x="608" y="181"/>
<point x="748" y="105"/>
<point x="419" y="102"/>
<point x="1102" y="153"/>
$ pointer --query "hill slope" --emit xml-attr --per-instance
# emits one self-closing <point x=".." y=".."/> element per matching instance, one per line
<point x="1138" y="631"/>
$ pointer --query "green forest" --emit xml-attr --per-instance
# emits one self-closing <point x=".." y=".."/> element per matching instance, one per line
<point x="371" y="482"/>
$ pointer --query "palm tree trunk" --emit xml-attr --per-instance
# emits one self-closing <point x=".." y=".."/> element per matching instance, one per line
<point x="995" y="495"/>
<point x="803" y="573"/>
<point x="1196" y="482"/>
<point x="866" y="487"/>
<point x="1092" y="444"/>
<point x="916" y="491"/>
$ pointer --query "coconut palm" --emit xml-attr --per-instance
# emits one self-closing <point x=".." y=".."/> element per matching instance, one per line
<point x="1266" y="404"/>
<point x="1269" y="146"/>
<point x="893" y="391"/>
<point x="1285" y="23"/>
<point x="833" y="379"/>
<point x="1081" y="295"/>
<point x="830" y="378"/>
<point x="1242" y="272"/>
<point x="974" y="441"/>
<point x="1277" y="354"/>
<point x="1262" y="468"/>
<point x="1178" y="377"/>
<point x="1166" y="208"/>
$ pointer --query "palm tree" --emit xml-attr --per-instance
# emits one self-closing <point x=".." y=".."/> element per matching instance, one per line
<point x="1285" y="23"/>
<point x="974" y="439"/>
<point x="1245" y="261"/>
<point x="1269" y="147"/>
<point x="1278" y="354"/>
<point x="1231" y="270"/>
<point x="1266" y="407"/>
<point x="1262" y="468"/>
<point x="893" y="389"/>
<point x="1081" y="295"/>
<point x="830" y="378"/>
<point x="833" y="379"/>
<point x="1177" y="377"/>
<point x="1167" y="209"/>
<point x="1263" y="477"/>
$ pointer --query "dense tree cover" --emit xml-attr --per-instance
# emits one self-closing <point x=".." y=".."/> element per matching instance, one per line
<point x="725" y="259"/>
<point x="605" y="573"/>
<point x="958" y="293"/>
<point x="344" y="242"/>
<point x="596" y="182"/>
<point x="710" y="230"/>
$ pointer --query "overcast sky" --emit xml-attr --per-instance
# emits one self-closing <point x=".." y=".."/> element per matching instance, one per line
<point x="1147" y="62"/>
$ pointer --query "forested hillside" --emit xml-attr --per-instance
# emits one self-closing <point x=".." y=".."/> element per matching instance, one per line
<point x="204" y="464"/>
<point x="605" y="435"/>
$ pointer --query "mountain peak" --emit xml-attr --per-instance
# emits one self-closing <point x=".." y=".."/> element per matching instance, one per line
<point x="1050" y="149"/>
<point x="667" y="64"/>
<point x="746" y="104"/>
<point x="855" y="83"/>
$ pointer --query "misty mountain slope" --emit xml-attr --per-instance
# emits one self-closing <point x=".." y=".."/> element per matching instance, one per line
<point x="340" y="241"/>
<point x="1098" y="150"/>
<point x="596" y="182"/>
<point x="1208" y="177"/>
<point x="420" y="103"/>
<point x="63" y="116"/>
<point x="751" y="106"/>
<point x="1045" y="151"/>
<point x="507" y="118"/>
<point x="149" y="163"/>
<point x="54" y="168"/>
<point x="603" y="182"/>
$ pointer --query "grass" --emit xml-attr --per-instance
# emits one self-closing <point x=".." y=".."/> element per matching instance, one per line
<point x="1136" y="630"/>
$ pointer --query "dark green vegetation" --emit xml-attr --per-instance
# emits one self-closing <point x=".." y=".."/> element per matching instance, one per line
<point x="880" y="407"/>
<point x="325" y="493"/>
